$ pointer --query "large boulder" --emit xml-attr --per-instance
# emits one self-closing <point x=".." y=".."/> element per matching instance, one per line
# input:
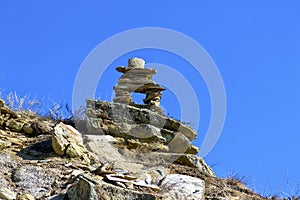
<point x="67" y="141"/>
<point x="139" y="126"/>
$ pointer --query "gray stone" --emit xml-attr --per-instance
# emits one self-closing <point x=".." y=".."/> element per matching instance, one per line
<point x="34" y="179"/>
<point x="179" y="144"/>
<point x="177" y="186"/>
<point x="196" y="162"/>
<point x="56" y="197"/>
<point x="3" y="182"/>
<point x="110" y="192"/>
<point x="101" y="146"/>
<point x="128" y="114"/>
<point x="83" y="189"/>
<point x="145" y="132"/>
<point x="161" y="158"/>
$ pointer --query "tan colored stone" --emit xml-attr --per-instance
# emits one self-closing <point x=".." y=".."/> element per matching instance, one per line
<point x="7" y="194"/>
<point x="2" y="103"/>
<point x="192" y="150"/>
<point x="27" y="128"/>
<point x="66" y="140"/>
<point x="4" y="144"/>
<point x="43" y="127"/>
<point x="14" y="125"/>
<point x="26" y="197"/>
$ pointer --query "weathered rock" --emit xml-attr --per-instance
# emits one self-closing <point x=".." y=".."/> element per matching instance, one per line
<point x="178" y="186"/>
<point x="128" y="114"/>
<point x="83" y="189"/>
<point x="15" y="125"/>
<point x="101" y="146"/>
<point x="43" y="127"/>
<point x="130" y="180"/>
<point x="196" y="162"/>
<point x="145" y="146"/>
<point x="7" y="194"/>
<point x="2" y="103"/>
<point x="136" y="72"/>
<point x="153" y="175"/>
<point x="179" y="144"/>
<point x="137" y="79"/>
<point x="67" y="141"/>
<point x="27" y="128"/>
<point x="3" y="182"/>
<point x="34" y="179"/>
<point x="192" y="150"/>
<point x="129" y="166"/>
<point x="56" y="197"/>
<point x="4" y="110"/>
<point x="136" y="63"/>
<point x="26" y="197"/>
<point x="162" y="158"/>
<point x="4" y="144"/>
<point x="90" y="190"/>
<point x="145" y="132"/>
<point x="139" y="127"/>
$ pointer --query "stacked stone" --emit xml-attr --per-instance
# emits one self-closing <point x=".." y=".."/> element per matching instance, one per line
<point x="139" y="127"/>
<point x="137" y="79"/>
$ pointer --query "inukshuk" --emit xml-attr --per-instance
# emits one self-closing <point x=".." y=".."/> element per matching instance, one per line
<point x="138" y="79"/>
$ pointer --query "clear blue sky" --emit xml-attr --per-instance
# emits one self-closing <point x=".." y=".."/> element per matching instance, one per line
<point x="256" y="46"/>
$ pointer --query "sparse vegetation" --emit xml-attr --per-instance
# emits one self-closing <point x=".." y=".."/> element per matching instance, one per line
<point x="234" y="178"/>
<point x="45" y="107"/>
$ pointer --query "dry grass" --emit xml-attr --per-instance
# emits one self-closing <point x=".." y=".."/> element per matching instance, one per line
<point x="44" y="107"/>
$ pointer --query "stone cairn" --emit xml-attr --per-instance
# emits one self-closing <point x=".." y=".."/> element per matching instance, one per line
<point x="138" y="79"/>
<point x="139" y="126"/>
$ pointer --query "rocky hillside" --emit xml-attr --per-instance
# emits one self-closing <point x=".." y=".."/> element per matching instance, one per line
<point x="120" y="150"/>
<point x="45" y="159"/>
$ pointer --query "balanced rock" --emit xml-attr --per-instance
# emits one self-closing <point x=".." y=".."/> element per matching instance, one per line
<point x="137" y="79"/>
<point x="136" y="63"/>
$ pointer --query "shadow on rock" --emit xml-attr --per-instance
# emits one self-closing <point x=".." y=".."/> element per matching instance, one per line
<point x="38" y="151"/>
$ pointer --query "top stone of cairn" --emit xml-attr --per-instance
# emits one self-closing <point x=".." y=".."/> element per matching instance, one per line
<point x="136" y="63"/>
